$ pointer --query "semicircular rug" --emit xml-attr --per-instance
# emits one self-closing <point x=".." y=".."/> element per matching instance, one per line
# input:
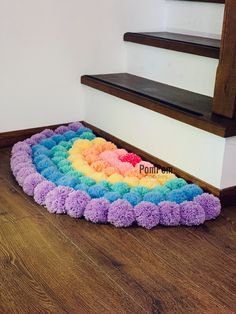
<point x="71" y="171"/>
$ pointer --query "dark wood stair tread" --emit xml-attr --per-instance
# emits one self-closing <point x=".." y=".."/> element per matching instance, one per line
<point x="208" y="47"/>
<point x="177" y="103"/>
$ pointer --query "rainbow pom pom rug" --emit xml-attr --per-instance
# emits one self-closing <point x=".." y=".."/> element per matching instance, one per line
<point x="71" y="171"/>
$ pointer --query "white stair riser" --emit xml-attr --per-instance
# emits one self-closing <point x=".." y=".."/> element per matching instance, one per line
<point x="193" y="150"/>
<point x="187" y="71"/>
<point x="194" y="17"/>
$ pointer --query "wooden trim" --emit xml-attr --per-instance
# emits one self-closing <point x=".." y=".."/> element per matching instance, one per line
<point x="211" y="1"/>
<point x="227" y="196"/>
<point x="224" y="102"/>
<point x="207" y="47"/>
<point x="206" y="121"/>
<point x="11" y="137"/>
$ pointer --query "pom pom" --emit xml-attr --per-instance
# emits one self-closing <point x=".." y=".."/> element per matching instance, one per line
<point x="112" y="196"/>
<point x="87" y="136"/>
<point x="55" y="176"/>
<point x="41" y="191"/>
<point x="76" y="203"/>
<point x="30" y="183"/>
<point x="47" y="173"/>
<point x="96" y="210"/>
<point x="176" y="196"/>
<point x="37" y="137"/>
<point x="147" y="214"/>
<point x="23" y="173"/>
<point x="67" y="181"/>
<point x="161" y="189"/>
<point x="142" y="190"/>
<point x="82" y="130"/>
<point x="88" y="181"/>
<point x="55" y="200"/>
<point x="58" y="138"/>
<point x="210" y="204"/>
<point x="121" y="188"/>
<point x="191" y="190"/>
<point x="75" y="126"/>
<point x="191" y="213"/>
<point x="47" y="133"/>
<point x="132" y="158"/>
<point x="175" y="184"/>
<point x="48" y="143"/>
<point x="69" y="135"/>
<point x="97" y="191"/>
<point x="153" y="197"/>
<point x="169" y="213"/>
<point x="21" y="147"/>
<point x="41" y="150"/>
<point x="133" y="198"/>
<point x="66" y="145"/>
<point x="121" y="214"/>
<point x="61" y="129"/>
<point x="82" y="187"/>
<point x="43" y="164"/>
<point x="21" y="165"/>
<point x="58" y="148"/>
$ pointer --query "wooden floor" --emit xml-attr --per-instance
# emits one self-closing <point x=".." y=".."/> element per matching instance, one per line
<point x="55" y="264"/>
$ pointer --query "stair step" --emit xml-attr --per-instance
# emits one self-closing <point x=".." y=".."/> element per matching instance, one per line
<point x="201" y="46"/>
<point x="179" y="104"/>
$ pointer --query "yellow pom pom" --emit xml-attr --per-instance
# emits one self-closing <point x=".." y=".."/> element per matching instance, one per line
<point x="80" y="145"/>
<point x="98" y="176"/>
<point x="148" y="182"/>
<point x="98" y="140"/>
<point x="115" y="178"/>
<point x="131" y="181"/>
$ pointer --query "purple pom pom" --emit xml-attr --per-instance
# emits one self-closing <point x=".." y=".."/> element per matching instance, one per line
<point x="169" y="213"/>
<point x="191" y="213"/>
<point x="42" y="190"/>
<point x="21" y="147"/>
<point x="147" y="214"/>
<point x="61" y="129"/>
<point x="47" y="132"/>
<point x="30" y="141"/>
<point x="37" y="137"/>
<point x="121" y="214"/>
<point x="75" y="126"/>
<point x="31" y="182"/>
<point x="23" y="173"/>
<point x="76" y="203"/>
<point x="16" y="168"/>
<point x="96" y="210"/>
<point x="55" y="200"/>
<point x="210" y="204"/>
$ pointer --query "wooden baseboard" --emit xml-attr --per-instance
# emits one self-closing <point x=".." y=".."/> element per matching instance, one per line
<point x="227" y="196"/>
<point x="10" y="138"/>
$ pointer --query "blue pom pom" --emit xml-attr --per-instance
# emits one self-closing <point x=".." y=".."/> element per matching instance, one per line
<point x="142" y="190"/>
<point x="112" y="196"/>
<point x="154" y="197"/>
<point x="43" y="164"/>
<point x="82" y="187"/>
<point x="40" y="150"/>
<point x="97" y="191"/>
<point x="47" y="173"/>
<point x="120" y="187"/>
<point x="106" y="184"/>
<point x="191" y="191"/>
<point x="38" y="158"/>
<point x="56" y="175"/>
<point x="69" y="135"/>
<point x="88" y="181"/>
<point x="133" y="198"/>
<point x="58" y="138"/>
<point x="67" y="181"/>
<point x="82" y="130"/>
<point x="87" y="136"/>
<point x="175" y="184"/>
<point x="161" y="189"/>
<point x="176" y="196"/>
<point x="48" y="143"/>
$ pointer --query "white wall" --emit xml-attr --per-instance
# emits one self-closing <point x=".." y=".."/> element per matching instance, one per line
<point x="46" y="45"/>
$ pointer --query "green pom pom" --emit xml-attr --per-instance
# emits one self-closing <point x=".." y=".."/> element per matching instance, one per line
<point x="88" y="181"/>
<point x="87" y="136"/>
<point x="58" y="148"/>
<point x="57" y="159"/>
<point x="142" y="190"/>
<point x="175" y="184"/>
<point x="65" y="169"/>
<point x="161" y="189"/>
<point x="121" y="188"/>
<point x="66" y="145"/>
<point x="74" y="174"/>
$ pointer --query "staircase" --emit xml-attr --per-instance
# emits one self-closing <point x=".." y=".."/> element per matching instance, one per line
<point x="173" y="122"/>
